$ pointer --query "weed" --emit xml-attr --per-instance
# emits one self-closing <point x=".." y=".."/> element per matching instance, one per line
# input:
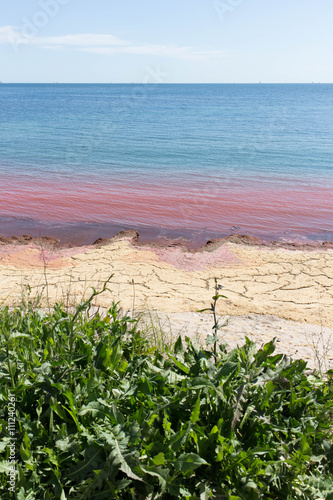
<point x="213" y="339"/>
<point x="100" y="414"/>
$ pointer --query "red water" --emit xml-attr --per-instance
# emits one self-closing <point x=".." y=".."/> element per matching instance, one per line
<point x="265" y="207"/>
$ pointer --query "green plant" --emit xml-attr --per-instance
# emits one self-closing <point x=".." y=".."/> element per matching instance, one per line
<point x="213" y="339"/>
<point x="101" y="415"/>
<point x="156" y="330"/>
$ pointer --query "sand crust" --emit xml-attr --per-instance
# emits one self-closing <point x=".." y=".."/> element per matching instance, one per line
<point x="286" y="282"/>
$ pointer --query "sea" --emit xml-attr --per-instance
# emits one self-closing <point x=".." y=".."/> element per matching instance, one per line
<point x="80" y="161"/>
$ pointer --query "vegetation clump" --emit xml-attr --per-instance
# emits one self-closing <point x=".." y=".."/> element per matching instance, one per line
<point x="102" y="414"/>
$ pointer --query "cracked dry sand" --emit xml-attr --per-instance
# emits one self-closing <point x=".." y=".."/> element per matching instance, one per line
<point x="289" y="284"/>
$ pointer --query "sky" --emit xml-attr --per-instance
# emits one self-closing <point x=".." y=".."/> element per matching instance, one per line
<point x="166" y="41"/>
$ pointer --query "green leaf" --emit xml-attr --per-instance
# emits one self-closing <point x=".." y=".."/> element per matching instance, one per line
<point x="178" y="439"/>
<point x="196" y="411"/>
<point x="74" y="417"/>
<point x="159" y="459"/>
<point x="179" y="348"/>
<point x="188" y="462"/>
<point x="25" y="452"/>
<point x="93" y="458"/>
<point x="250" y="485"/>
<point x="218" y="296"/>
<point x="228" y="368"/>
<point x="63" y="496"/>
<point x="179" y="365"/>
<point x="124" y="466"/>
<point x="59" y="410"/>
<point x="158" y="472"/>
<point x="269" y="388"/>
<point x="4" y="467"/>
<point x="201" y="383"/>
<point x="70" y="398"/>
<point x="16" y="335"/>
<point x="116" y="356"/>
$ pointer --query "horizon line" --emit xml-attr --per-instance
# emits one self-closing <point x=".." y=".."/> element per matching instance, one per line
<point x="166" y="83"/>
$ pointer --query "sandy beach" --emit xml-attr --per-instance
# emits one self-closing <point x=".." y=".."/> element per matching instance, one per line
<point x="283" y="291"/>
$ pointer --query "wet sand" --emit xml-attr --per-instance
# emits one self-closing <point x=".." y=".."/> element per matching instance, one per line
<point x="264" y="283"/>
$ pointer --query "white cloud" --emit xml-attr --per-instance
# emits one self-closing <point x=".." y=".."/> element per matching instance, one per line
<point x="158" y="50"/>
<point x="8" y="34"/>
<point x="102" y="44"/>
<point x="80" y="40"/>
<point x="11" y="34"/>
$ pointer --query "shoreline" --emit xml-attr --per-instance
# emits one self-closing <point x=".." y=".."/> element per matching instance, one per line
<point x="76" y="234"/>
<point x="153" y="237"/>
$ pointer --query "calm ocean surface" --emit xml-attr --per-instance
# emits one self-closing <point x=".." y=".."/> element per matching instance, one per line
<point x="195" y="157"/>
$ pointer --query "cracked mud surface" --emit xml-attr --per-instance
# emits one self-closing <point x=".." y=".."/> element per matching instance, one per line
<point x="293" y="285"/>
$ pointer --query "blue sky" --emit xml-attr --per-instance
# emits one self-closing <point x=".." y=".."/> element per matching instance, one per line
<point x="166" y="41"/>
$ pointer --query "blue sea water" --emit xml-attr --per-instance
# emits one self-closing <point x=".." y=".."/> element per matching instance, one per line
<point x="187" y="140"/>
